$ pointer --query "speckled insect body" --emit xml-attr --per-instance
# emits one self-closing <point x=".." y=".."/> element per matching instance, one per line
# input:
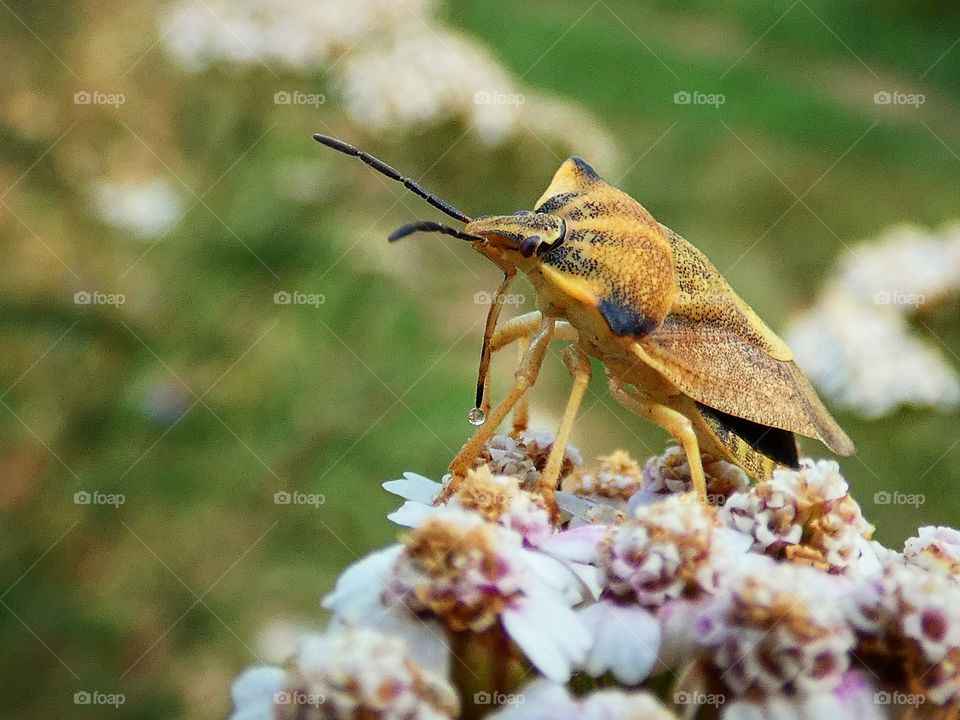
<point x="677" y="343"/>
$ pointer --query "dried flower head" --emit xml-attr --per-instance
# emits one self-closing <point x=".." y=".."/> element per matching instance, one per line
<point x="351" y="674"/>
<point x="908" y="622"/>
<point x="525" y="456"/>
<point x="459" y="568"/>
<point x="669" y="473"/>
<point x="666" y="551"/>
<point x="775" y="628"/>
<point x="806" y="516"/>
<point x="615" y="476"/>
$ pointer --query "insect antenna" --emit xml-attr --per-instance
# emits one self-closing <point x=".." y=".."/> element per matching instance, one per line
<point x="482" y="404"/>
<point x="382" y="167"/>
<point x="430" y="226"/>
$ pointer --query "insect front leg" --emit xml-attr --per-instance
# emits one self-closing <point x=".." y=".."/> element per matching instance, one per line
<point x="673" y="422"/>
<point x="519" y="330"/>
<point x="526" y="376"/>
<point x="578" y="364"/>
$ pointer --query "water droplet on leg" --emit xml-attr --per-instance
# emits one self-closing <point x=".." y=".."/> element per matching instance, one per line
<point x="476" y="416"/>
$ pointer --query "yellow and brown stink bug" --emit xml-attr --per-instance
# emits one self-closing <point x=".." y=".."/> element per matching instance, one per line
<point x="678" y="344"/>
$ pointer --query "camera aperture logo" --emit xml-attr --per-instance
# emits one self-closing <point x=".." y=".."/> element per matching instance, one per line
<point x="901" y="299"/>
<point x="283" y="297"/>
<point x="898" y="698"/>
<point x="497" y="698"/>
<point x="299" y="698"/>
<point x="895" y="97"/>
<point x="96" y="497"/>
<point x="699" y="698"/>
<point x="95" y="97"/>
<point x="295" y="97"/>
<point x="95" y="697"/>
<point x="314" y="500"/>
<point x="885" y="497"/>
<point x="695" y="97"/>
<point x="485" y="298"/>
<point x="498" y="98"/>
<point x="95" y="297"/>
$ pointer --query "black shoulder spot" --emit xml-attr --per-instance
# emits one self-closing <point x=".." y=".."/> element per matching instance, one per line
<point x="625" y="321"/>
<point x="555" y="203"/>
<point x="584" y="167"/>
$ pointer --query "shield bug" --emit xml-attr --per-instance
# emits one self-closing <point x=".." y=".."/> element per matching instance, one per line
<point x="679" y="346"/>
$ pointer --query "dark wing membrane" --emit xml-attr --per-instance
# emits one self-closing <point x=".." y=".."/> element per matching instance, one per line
<point x="715" y="349"/>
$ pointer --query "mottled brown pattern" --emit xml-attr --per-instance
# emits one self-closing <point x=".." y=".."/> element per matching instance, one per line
<point x="705" y="342"/>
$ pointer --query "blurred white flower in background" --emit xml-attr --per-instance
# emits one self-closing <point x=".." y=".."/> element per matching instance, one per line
<point x="144" y="209"/>
<point x="393" y="64"/>
<point x="855" y="342"/>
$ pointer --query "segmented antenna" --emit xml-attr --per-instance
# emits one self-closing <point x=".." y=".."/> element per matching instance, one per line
<point x="430" y="226"/>
<point x="381" y="167"/>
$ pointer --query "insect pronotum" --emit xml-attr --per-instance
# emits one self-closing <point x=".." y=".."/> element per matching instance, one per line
<point x="679" y="346"/>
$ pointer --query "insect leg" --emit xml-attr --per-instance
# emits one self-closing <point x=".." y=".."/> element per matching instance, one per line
<point x="482" y="400"/>
<point x="674" y="423"/>
<point x="578" y="364"/>
<point x="521" y="413"/>
<point x="525" y="325"/>
<point x="525" y="377"/>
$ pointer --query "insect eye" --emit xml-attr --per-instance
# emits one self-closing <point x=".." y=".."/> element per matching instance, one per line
<point x="528" y="246"/>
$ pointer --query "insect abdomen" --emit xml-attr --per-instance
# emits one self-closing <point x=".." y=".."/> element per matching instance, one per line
<point x="755" y="447"/>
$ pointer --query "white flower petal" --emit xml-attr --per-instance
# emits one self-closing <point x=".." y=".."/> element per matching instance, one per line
<point x="549" y="634"/>
<point x="626" y="641"/>
<point x="578" y="545"/>
<point x="411" y="514"/>
<point x="358" y="589"/>
<point x="253" y="692"/>
<point x="414" y="487"/>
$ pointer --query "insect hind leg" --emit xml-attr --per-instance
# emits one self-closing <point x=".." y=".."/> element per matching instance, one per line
<point x="674" y="423"/>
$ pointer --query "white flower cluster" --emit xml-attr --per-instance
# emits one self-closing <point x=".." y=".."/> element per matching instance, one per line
<point x="806" y="515"/>
<point x="770" y="603"/>
<point x="392" y="63"/>
<point x="843" y="341"/>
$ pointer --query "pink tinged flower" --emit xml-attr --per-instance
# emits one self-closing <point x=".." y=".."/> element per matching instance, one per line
<point x="254" y="690"/>
<point x="543" y="700"/>
<point x="935" y="548"/>
<point x="806" y="516"/>
<point x="625" y="641"/>
<point x="345" y="675"/>
<point x="459" y="573"/>
<point x="776" y="627"/>
<point x="496" y="498"/>
<point x="664" y="552"/>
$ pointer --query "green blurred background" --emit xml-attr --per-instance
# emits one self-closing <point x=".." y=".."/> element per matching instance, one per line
<point x="199" y="397"/>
